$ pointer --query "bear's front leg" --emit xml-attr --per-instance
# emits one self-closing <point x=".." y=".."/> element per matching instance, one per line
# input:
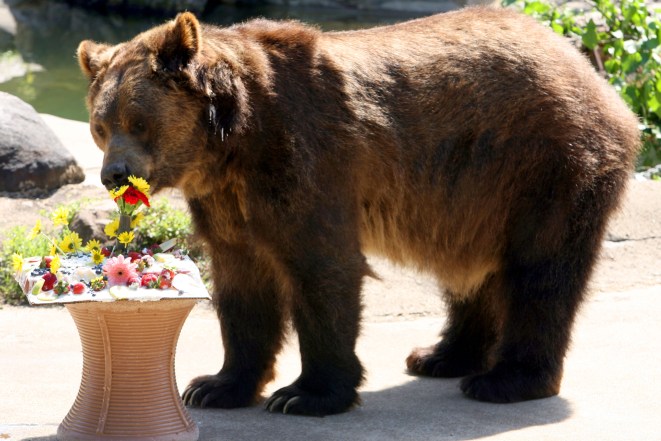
<point x="326" y="312"/>
<point x="248" y="303"/>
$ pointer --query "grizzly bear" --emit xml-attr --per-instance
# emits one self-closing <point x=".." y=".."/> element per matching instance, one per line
<point x="475" y="145"/>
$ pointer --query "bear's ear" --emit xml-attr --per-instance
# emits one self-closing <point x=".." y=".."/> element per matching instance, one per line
<point x="92" y="57"/>
<point x="182" y="41"/>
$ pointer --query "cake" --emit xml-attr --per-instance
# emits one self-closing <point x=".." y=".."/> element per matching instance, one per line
<point x="73" y="273"/>
<point x="143" y="276"/>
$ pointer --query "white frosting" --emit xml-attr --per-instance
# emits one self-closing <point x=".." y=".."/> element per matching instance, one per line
<point x="79" y="267"/>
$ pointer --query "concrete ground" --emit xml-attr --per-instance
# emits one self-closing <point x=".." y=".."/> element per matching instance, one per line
<point x="610" y="391"/>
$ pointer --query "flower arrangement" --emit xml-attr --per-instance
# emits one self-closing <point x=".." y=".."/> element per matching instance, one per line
<point x="73" y="268"/>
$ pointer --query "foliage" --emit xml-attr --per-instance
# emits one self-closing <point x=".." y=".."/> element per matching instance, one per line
<point x="17" y="241"/>
<point x="163" y="222"/>
<point x="623" y="39"/>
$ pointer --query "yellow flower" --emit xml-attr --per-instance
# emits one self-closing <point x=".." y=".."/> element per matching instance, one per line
<point x="111" y="228"/>
<point x="93" y="245"/>
<point x="97" y="257"/>
<point x="137" y="219"/>
<point x="126" y="237"/>
<point x="140" y="184"/>
<point x="35" y="231"/>
<point x="61" y="216"/>
<point x="71" y="242"/>
<point x="17" y="262"/>
<point x="55" y="264"/>
<point x="53" y="250"/>
<point x="118" y="191"/>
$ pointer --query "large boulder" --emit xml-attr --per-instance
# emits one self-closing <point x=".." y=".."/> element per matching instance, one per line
<point x="33" y="161"/>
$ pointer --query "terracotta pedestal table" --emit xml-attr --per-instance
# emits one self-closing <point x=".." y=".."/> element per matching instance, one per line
<point x="128" y="389"/>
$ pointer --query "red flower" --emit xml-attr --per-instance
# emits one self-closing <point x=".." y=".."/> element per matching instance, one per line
<point x="131" y="196"/>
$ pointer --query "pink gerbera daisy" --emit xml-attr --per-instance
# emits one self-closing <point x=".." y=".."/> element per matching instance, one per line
<point x="120" y="270"/>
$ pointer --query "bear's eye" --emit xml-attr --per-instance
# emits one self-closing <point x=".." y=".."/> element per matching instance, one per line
<point x="100" y="131"/>
<point x="138" y="127"/>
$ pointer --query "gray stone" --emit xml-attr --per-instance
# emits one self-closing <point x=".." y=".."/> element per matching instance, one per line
<point x="32" y="159"/>
<point x="90" y="220"/>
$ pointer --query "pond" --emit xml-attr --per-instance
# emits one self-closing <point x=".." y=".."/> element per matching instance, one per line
<point x="48" y="34"/>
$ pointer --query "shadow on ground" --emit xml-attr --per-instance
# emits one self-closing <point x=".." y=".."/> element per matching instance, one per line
<point x="420" y="409"/>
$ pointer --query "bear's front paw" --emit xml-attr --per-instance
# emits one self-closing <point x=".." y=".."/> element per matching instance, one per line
<point x="219" y="391"/>
<point x="294" y="400"/>
<point x="509" y="385"/>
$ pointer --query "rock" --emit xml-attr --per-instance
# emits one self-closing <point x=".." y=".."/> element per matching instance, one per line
<point x="90" y="220"/>
<point x="32" y="159"/>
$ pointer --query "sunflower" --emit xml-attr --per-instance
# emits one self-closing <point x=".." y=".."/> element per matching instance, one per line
<point x="17" y="262"/>
<point x="35" y="231"/>
<point x="97" y="257"/>
<point x="55" y="264"/>
<point x="71" y="242"/>
<point x="140" y="184"/>
<point x="126" y="237"/>
<point x="111" y="228"/>
<point x="61" y="216"/>
<point x="137" y="219"/>
<point x="118" y="192"/>
<point x="93" y="245"/>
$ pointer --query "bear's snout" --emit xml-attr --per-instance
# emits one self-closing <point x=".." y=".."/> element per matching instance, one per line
<point x="115" y="174"/>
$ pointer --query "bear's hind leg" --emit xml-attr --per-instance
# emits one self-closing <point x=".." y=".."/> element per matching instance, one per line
<point x="251" y="318"/>
<point x="543" y="291"/>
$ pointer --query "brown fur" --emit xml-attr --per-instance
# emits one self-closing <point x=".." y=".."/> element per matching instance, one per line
<point x="475" y="145"/>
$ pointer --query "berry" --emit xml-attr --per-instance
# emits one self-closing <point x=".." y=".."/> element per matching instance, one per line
<point x="78" y="288"/>
<point x="149" y="280"/>
<point x="49" y="281"/>
<point x="105" y="251"/>
<point x="62" y="287"/>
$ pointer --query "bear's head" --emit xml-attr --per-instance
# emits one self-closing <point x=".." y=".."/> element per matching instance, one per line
<point x="156" y="101"/>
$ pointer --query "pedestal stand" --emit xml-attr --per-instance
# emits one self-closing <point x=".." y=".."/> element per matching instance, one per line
<point x="128" y="389"/>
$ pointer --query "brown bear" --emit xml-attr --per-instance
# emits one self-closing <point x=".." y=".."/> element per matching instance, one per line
<point x="475" y="145"/>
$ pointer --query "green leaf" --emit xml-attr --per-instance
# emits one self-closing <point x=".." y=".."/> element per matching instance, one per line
<point x="558" y="28"/>
<point x="589" y="37"/>
<point x="631" y="62"/>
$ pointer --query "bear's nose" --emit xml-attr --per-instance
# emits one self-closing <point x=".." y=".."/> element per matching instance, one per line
<point x="115" y="174"/>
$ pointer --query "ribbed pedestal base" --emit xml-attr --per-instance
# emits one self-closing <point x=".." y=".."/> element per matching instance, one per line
<point x="128" y="389"/>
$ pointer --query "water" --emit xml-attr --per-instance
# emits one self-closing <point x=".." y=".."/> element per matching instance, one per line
<point x="49" y="32"/>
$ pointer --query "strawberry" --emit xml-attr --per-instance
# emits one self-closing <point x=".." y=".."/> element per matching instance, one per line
<point x="46" y="262"/>
<point x="78" y="288"/>
<point x="105" y="251"/>
<point x="149" y="280"/>
<point x="61" y="287"/>
<point x="164" y="283"/>
<point x="49" y="281"/>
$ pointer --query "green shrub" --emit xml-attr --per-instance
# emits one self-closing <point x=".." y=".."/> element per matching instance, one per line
<point x="17" y="241"/>
<point x="163" y="222"/>
<point x="623" y="39"/>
